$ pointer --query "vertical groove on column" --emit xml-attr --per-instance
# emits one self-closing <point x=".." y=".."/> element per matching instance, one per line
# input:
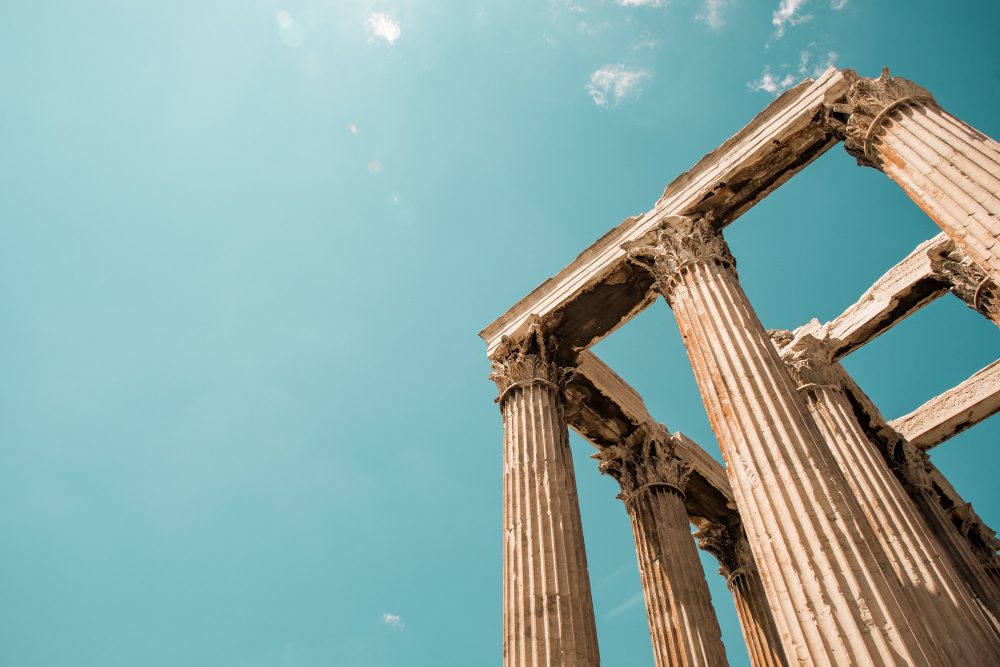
<point x="681" y="617"/>
<point x="683" y="628"/>
<point x="696" y="337"/>
<point x="784" y="421"/>
<point x="916" y="145"/>
<point x="814" y="543"/>
<point x="931" y="584"/>
<point x="762" y="640"/>
<point x="548" y="613"/>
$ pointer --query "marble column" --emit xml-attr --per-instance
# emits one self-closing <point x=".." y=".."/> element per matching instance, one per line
<point x="835" y="598"/>
<point x="548" y="614"/>
<point x="730" y="547"/>
<point x="930" y="579"/>
<point x="960" y="534"/>
<point x="682" y="623"/>
<point x="972" y="552"/>
<point x="968" y="282"/>
<point x="949" y="169"/>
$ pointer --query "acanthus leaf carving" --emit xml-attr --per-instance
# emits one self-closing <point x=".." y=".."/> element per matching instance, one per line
<point x="644" y="459"/>
<point x="531" y="358"/>
<point x="967" y="281"/>
<point x="729" y="546"/>
<point x="809" y="360"/>
<point x="680" y="240"/>
<point x="867" y="104"/>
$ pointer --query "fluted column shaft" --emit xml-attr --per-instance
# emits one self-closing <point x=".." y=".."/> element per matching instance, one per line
<point x="972" y="552"/>
<point x="683" y="626"/>
<point x="737" y="565"/>
<point x="949" y="169"/>
<point x="982" y="578"/>
<point x="548" y="613"/>
<point x="945" y="603"/>
<point x="759" y="631"/>
<point x="835" y="599"/>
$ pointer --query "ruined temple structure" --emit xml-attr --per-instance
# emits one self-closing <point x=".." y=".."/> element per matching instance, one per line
<point x="840" y="541"/>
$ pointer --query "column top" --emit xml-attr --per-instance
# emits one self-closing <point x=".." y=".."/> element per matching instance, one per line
<point x="677" y="242"/>
<point x="867" y="104"/>
<point x="644" y="460"/>
<point x="531" y="359"/>
<point x="729" y="546"/>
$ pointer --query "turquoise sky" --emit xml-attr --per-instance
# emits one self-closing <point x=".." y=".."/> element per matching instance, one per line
<point x="246" y="246"/>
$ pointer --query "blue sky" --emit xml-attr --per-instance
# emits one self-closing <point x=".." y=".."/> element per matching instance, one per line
<point x="246" y="246"/>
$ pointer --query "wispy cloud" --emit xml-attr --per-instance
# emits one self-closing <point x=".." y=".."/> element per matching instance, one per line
<point x="392" y="620"/>
<point x="713" y="13"/>
<point x="838" y="4"/>
<point x="613" y="83"/>
<point x="770" y="83"/>
<point x="624" y="606"/>
<point x="810" y="66"/>
<point x="381" y="25"/>
<point x="640" y="3"/>
<point x="789" y="13"/>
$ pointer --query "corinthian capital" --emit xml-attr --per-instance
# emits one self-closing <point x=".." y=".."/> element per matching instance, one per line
<point x="644" y="459"/>
<point x="680" y="241"/>
<point x="526" y="360"/>
<point x="810" y="361"/>
<point x="729" y="546"/>
<point x="866" y="106"/>
<point x="967" y="281"/>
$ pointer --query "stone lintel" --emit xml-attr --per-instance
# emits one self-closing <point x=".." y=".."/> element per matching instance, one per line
<point x="901" y="291"/>
<point x="953" y="411"/>
<point x="605" y="410"/>
<point x="598" y="291"/>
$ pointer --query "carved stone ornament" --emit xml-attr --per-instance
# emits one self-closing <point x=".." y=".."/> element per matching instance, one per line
<point x="981" y="539"/>
<point x="911" y="465"/>
<point x="728" y="545"/>
<point x="868" y="103"/>
<point x="527" y="360"/>
<point x="680" y="240"/>
<point x="644" y="459"/>
<point x="967" y="281"/>
<point x="811" y="363"/>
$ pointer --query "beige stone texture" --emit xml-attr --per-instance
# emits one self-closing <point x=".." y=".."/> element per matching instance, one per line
<point x="682" y="622"/>
<point x="953" y="411"/>
<point x="951" y="170"/>
<point x="835" y="598"/>
<point x="729" y="545"/>
<point x="934" y="589"/>
<point x="548" y="613"/>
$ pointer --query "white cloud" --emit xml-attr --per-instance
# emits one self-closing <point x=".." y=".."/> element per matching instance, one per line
<point x="640" y="3"/>
<point x="375" y="168"/>
<point x="809" y="67"/>
<point x="770" y="83"/>
<point x="393" y="620"/>
<point x="712" y="13"/>
<point x="613" y="83"/>
<point x="382" y="24"/>
<point x="352" y="128"/>
<point x="838" y="4"/>
<point x="788" y="13"/>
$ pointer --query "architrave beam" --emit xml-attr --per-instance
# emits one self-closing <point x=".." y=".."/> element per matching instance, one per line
<point x="953" y="411"/>
<point x="605" y="409"/>
<point x="598" y="291"/>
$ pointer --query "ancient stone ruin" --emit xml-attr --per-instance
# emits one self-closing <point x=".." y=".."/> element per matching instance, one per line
<point x="840" y="541"/>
